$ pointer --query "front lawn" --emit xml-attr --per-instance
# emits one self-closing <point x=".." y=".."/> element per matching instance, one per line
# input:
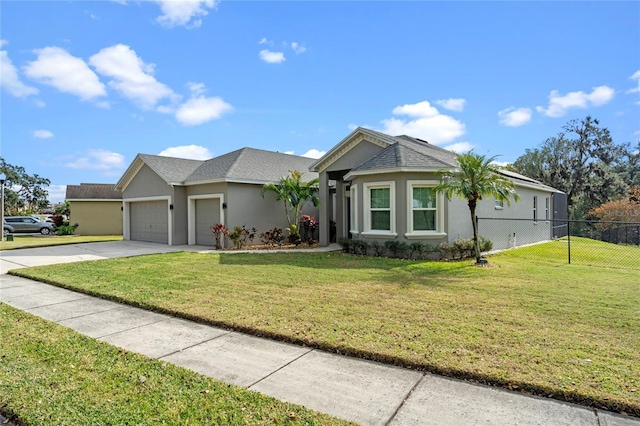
<point x="29" y="241"/>
<point x="567" y="331"/>
<point x="50" y="375"/>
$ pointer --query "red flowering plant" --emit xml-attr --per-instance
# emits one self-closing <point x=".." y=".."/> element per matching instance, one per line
<point x="309" y="224"/>
<point x="308" y="221"/>
<point x="219" y="230"/>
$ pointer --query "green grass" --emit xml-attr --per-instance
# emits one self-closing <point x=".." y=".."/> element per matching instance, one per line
<point x="569" y="331"/>
<point x="52" y="375"/>
<point x="28" y="241"/>
<point x="584" y="251"/>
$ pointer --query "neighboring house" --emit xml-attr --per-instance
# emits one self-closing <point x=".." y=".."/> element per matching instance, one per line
<point x="176" y="201"/>
<point x="96" y="208"/>
<point x="384" y="190"/>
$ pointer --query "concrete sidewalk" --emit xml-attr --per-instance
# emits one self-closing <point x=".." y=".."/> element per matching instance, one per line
<point x="366" y="392"/>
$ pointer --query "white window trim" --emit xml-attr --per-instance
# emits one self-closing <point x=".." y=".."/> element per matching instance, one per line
<point x="191" y="214"/>
<point x="498" y="204"/>
<point x="535" y="209"/>
<point x="368" y="232"/>
<point x="440" y="203"/>
<point x="353" y="199"/>
<point x="547" y="206"/>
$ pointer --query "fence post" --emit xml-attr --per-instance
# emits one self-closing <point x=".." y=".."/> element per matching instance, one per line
<point x="569" y="241"/>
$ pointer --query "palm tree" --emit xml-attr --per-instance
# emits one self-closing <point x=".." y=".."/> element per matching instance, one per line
<point x="294" y="193"/>
<point x="474" y="179"/>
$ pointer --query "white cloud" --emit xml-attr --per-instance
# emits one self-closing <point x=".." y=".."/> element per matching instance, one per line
<point x="352" y="126"/>
<point x="57" y="193"/>
<point x="558" y="105"/>
<point x="290" y="152"/>
<point x="185" y="13"/>
<point x="635" y="76"/>
<point x="3" y="42"/>
<point x="103" y="105"/>
<point x="460" y="147"/>
<point x="272" y="57"/>
<point x="40" y="103"/>
<point x="298" y="48"/>
<point x="264" y="40"/>
<point x="130" y="75"/>
<point x="196" y="89"/>
<point x="9" y="79"/>
<point x="192" y="152"/>
<point x="453" y="104"/>
<point x="58" y="68"/>
<point x="314" y="153"/>
<point x="514" y="117"/>
<point x="426" y="123"/>
<point x="42" y="134"/>
<point x="199" y="110"/>
<point x="500" y="163"/>
<point x="166" y="109"/>
<point x="97" y="159"/>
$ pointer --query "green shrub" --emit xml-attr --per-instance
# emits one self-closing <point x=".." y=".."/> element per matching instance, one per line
<point x="397" y="248"/>
<point x="66" y="229"/>
<point x="463" y="248"/>
<point x="237" y="237"/>
<point x="485" y="243"/>
<point x="417" y="249"/>
<point x="345" y="243"/>
<point x="360" y="247"/>
<point x="378" y="249"/>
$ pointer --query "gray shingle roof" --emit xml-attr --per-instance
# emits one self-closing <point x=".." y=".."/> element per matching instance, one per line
<point x="97" y="191"/>
<point x="252" y="164"/>
<point x="409" y="152"/>
<point x="518" y="177"/>
<point x="171" y="169"/>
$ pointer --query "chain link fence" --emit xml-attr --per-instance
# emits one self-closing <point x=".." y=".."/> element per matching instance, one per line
<point x="580" y="242"/>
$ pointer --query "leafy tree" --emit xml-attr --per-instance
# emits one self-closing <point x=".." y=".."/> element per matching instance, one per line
<point x="294" y="193"/>
<point x="23" y="191"/>
<point x="582" y="161"/>
<point x="475" y="179"/>
<point x="64" y="209"/>
<point x="624" y="210"/>
<point x="629" y="168"/>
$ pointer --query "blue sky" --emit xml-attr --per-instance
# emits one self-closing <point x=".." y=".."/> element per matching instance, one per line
<point x="87" y="85"/>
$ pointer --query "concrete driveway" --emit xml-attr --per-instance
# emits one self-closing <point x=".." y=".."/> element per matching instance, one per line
<point x="24" y="258"/>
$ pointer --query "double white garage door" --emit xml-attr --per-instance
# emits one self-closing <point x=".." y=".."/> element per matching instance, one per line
<point x="149" y="220"/>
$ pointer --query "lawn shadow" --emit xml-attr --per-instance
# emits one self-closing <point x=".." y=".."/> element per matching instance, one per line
<point x="386" y="269"/>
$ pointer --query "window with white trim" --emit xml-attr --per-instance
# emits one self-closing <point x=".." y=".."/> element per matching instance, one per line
<point x="379" y="208"/>
<point x="546" y="208"/>
<point x="535" y="208"/>
<point x="425" y="210"/>
<point x="499" y="204"/>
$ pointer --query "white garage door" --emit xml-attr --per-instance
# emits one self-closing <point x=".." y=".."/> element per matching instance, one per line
<point x="207" y="215"/>
<point x="149" y="221"/>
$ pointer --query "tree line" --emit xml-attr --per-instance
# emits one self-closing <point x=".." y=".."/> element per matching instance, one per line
<point x="23" y="192"/>
<point x="584" y="162"/>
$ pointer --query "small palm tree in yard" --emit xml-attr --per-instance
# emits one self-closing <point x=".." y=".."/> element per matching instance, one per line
<point x="474" y="179"/>
<point x="294" y="193"/>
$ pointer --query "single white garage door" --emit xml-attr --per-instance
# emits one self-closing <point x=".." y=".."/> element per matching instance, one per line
<point x="149" y="221"/>
<point x="207" y="215"/>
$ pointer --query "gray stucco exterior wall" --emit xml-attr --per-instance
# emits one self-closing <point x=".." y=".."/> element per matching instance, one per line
<point x="456" y="220"/>
<point x="179" y="215"/>
<point x="146" y="183"/>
